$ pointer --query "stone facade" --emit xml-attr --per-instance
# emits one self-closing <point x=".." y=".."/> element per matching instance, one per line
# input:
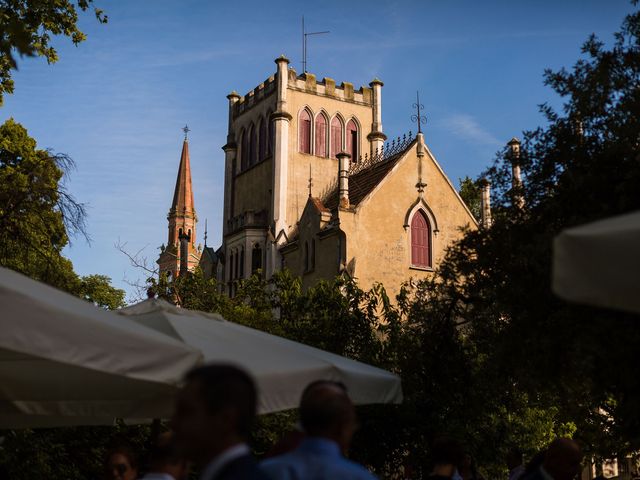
<point x="285" y="208"/>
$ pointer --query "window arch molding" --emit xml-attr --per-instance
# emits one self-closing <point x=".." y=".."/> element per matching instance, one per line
<point x="348" y="141"/>
<point x="334" y="137"/>
<point x="321" y="138"/>
<point x="305" y="131"/>
<point x="420" y="207"/>
<point x="420" y="204"/>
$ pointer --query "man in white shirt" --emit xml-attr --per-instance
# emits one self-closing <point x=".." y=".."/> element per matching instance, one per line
<point x="165" y="461"/>
<point x="212" y="421"/>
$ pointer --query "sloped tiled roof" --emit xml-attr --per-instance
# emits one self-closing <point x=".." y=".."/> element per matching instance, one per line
<point x="364" y="181"/>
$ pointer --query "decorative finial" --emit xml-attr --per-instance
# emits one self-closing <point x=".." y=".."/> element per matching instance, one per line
<point x="418" y="117"/>
<point x="310" y="181"/>
<point x="205" y="233"/>
<point x="186" y="131"/>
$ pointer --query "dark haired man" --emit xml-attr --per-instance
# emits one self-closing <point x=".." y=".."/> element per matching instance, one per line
<point x="213" y="418"/>
<point x="329" y="422"/>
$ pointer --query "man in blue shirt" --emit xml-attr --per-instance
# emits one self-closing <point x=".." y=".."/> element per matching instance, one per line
<point x="329" y="421"/>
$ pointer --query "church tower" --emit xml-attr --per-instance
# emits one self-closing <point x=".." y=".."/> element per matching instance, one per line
<point x="181" y="255"/>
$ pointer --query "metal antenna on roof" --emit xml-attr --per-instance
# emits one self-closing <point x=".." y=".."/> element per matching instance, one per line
<point x="306" y="34"/>
<point x="310" y="181"/>
<point x="205" y="233"/>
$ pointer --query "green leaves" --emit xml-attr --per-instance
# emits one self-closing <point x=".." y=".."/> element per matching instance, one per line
<point x="25" y="28"/>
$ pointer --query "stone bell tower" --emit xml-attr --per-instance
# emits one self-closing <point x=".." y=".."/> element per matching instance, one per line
<point x="180" y="254"/>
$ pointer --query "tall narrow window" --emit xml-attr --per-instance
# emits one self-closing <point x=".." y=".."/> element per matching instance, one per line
<point x="263" y="141"/>
<point x="241" y="263"/>
<point x="304" y="132"/>
<point x="271" y="137"/>
<point x="352" y="140"/>
<point x="312" y="255"/>
<point x="252" y="145"/>
<point x="321" y="135"/>
<point x="420" y="238"/>
<point x="306" y="256"/>
<point x="336" y="136"/>
<point x="244" y="152"/>
<point x="256" y="258"/>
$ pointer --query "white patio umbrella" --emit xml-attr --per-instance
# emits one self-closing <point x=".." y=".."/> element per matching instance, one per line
<point x="64" y="361"/>
<point x="599" y="263"/>
<point x="282" y="368"/>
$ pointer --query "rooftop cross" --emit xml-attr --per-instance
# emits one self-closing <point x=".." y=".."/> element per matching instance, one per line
<point x="186" y="131"/>
<point x="417" y="117"/>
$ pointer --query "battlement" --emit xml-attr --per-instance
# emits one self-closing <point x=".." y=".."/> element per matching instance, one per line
<point x="327" y="87"/>
<point x="255" y="96"/>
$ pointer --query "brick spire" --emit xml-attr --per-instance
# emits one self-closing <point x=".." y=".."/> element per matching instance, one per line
<point x="181" y="254"/>
<point x="183" y="193"/>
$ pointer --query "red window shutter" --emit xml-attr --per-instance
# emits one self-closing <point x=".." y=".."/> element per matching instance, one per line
<point x="321" y="136"/>
<point x="305" y="132"/>
<point x="336" y="137"/>
<point x="420" y="234"/>
<point x="352" y="140"/>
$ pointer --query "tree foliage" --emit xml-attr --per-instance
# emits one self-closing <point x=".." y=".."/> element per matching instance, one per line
<point x="98" y="290"/>
<point x="36" y="210"/>
<point x="26" y="27"/>
<point x="471" y="193"/>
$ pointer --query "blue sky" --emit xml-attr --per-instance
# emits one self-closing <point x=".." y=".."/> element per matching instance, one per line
<point x="117" y="102"/>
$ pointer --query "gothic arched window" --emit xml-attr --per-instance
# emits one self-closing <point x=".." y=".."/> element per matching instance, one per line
<point x="352" y="140"/>
<point x="262" y="151"/>
<point x="336" y="137"/>
<point x="244" y="150"/>
<point x="241" y="263"/>
<point x="420" y="240"/>
<point x="321" y="135"/>
<point x="304" y="131"/>
<point x="271" y="134"/>
<point x="252" y="145"/>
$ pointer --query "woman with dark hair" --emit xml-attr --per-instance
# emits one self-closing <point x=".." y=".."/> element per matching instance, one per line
<point x="121" y="463"/>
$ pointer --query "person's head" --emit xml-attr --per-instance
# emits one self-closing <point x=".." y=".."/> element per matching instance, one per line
<point x="447" y="454"/>
<point x="121" y="463"/>
<point x="214" y="410"/>
<point x="165" y="457"/>
<point x="513" y="458"/>
<point x="563" y="459"/>
<point x="326" y="411"/>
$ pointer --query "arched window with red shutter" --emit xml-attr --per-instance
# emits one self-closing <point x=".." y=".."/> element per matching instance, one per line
<point x="336" y="136"/>
<point x="321" y="135"/>
<point x="420" y="240"/>
<point x="304" y="131"/>
<point x="352" y="140"/>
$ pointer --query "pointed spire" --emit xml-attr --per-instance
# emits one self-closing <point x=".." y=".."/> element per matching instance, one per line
<point x="183" y="193"/>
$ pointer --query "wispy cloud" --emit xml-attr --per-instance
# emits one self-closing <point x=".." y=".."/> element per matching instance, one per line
<point x="468" y="127"/>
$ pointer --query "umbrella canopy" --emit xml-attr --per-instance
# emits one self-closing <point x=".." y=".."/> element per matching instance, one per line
<point x="599" y="263"/>
<point x="64" y="361"/>
<point x="282" y="368"/>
